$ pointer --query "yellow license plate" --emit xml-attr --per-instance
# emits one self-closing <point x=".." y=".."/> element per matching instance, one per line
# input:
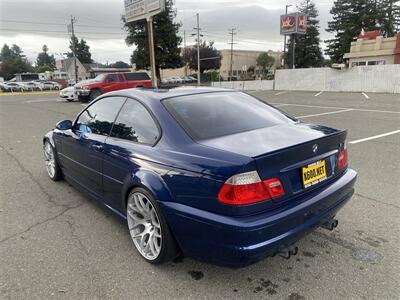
<point x="314" y="173"/>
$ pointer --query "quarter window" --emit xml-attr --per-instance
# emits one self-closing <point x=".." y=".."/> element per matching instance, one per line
<point x="99" y="117"/>
<point x="134" y="123"/>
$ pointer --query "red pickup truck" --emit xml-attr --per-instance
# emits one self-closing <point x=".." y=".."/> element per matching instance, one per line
<point x="90" y="89"/>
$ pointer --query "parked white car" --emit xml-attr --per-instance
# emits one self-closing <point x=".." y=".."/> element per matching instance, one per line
<point x="30" y="86"/>
<point x="166" y="80"/>
<point x="68" y="94"/>
<point x="177" y="79"/>
<point x="49" y="85"/>
<point x="12" y="87"/>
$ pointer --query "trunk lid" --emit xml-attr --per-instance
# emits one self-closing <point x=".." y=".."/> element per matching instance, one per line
<point x="282" y="152"/>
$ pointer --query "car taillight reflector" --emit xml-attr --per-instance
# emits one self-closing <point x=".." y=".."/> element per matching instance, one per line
<point x="343" y="159"/>
<point x="275" y="187"/>
<point x="247" y="188"/>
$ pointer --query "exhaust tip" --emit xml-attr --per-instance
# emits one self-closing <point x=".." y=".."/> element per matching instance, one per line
<point x="331" y="224"/>
<point x="288" y="252"/>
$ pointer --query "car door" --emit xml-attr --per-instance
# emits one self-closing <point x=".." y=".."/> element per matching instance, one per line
<point x="113" y="83"/>
<point x="82" y="147"/>
<point x="133" y="136"/>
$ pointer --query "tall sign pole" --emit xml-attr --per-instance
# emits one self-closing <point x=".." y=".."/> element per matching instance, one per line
<point x="284" y="43"/>
<point x="293" y="24"/>
<point x="151" y="52"/>
<point x="294" y="51"/>
<point x="136" y="10"/>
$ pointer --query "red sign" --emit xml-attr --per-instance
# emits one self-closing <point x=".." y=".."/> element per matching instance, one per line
<point x="288" y="24"/>
<point x="295" y="23"/>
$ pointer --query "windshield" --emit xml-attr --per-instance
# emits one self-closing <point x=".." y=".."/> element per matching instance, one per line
<point x="100" y="78"/>
<point x="211" y="115"/>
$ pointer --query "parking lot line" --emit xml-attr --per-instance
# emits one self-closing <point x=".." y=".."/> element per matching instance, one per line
<point x="365" y="95"/>
<point x="374" y="137"/>
<point x="337" y="107"/>
<point x="280" y="93"/>
<point x="316" y="95"/>
<point x="281" y="105"/>
<point x="326" y="113"/>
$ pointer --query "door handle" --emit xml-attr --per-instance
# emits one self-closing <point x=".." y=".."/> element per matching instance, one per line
<point x="97" y="147"/>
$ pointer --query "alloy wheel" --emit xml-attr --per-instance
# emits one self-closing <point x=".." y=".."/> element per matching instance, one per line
<point x="49" y="160"/>
<point x="144" y="226"/>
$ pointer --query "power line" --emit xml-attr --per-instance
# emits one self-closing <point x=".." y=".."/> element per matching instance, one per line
<point x="60" y="31"/>
<point x="55" y="24"/>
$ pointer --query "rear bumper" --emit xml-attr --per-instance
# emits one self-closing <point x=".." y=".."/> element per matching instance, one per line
<point x="240" y="241"/>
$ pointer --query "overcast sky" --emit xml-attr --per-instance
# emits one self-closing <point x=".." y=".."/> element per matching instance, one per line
<point x="98" y="21"/>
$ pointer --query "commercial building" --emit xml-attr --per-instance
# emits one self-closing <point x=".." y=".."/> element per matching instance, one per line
<point x="68" y="66"/>
<point x="371" y="48"/>
<point x="243" y="61"/>
<point x="85" y="71"/>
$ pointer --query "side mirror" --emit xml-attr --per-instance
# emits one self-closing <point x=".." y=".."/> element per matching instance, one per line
<point x="64" y="125"/>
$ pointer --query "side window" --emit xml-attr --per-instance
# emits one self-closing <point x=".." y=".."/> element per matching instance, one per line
<point x="112" y="78"/>
<point x="98" y="118"/>
<point x="134" y="123"/>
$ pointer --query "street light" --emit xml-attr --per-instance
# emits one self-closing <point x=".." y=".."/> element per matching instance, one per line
<point x="284" y="45"/>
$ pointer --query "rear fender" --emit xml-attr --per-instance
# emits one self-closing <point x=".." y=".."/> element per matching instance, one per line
<point x="149" y="180"/>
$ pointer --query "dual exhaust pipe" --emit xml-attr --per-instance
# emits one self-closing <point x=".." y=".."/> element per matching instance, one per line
<point x="292" y="250"/>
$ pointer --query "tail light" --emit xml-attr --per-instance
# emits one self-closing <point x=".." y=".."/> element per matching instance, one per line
<point x="343" y="158"/>
<point x="247" y="188"/>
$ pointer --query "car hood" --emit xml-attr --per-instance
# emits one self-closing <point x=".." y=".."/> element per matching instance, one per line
<point x="83" y="83"/>
<point x="68" y="89"/>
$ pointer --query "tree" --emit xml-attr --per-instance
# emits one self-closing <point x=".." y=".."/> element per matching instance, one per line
<point x="120" y="65"/>
<point x="166" y="39"/>
<point x="350" y="17"/>
<point x="389" y="17"/>
<point x="265" y="62"/>
<point x="212" y="57"/>
<point x="13" y="61"/>
<point x="45" y="61"/>
<point x="308" y="53"/>
<point x="82" y="50"/>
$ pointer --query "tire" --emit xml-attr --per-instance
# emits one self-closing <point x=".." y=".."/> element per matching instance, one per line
<point x="70" y="100"/>
<point x="94" y="94"/>
<point x="52" y="167"/>
<point x="148" y="228"/>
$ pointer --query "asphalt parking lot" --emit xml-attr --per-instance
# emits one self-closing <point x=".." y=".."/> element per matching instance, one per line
<point x="55" y="243"/>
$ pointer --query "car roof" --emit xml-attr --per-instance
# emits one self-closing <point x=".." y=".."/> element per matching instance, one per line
<point x="161" y="94"/>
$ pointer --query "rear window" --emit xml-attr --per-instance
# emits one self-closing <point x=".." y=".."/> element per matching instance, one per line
<point x="137" y="76"/>
<point x="205" y="116"/>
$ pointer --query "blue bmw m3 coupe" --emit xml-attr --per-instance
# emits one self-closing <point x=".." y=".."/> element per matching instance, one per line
<point x="208" y="173"/>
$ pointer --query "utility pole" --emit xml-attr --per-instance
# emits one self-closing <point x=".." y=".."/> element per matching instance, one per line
<point x="184" y="48"/>
<point x="73" y="20"/>
<point x="284" y="43"/>
<point x="198" y="49"/>
<point x="232" y="32"/>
